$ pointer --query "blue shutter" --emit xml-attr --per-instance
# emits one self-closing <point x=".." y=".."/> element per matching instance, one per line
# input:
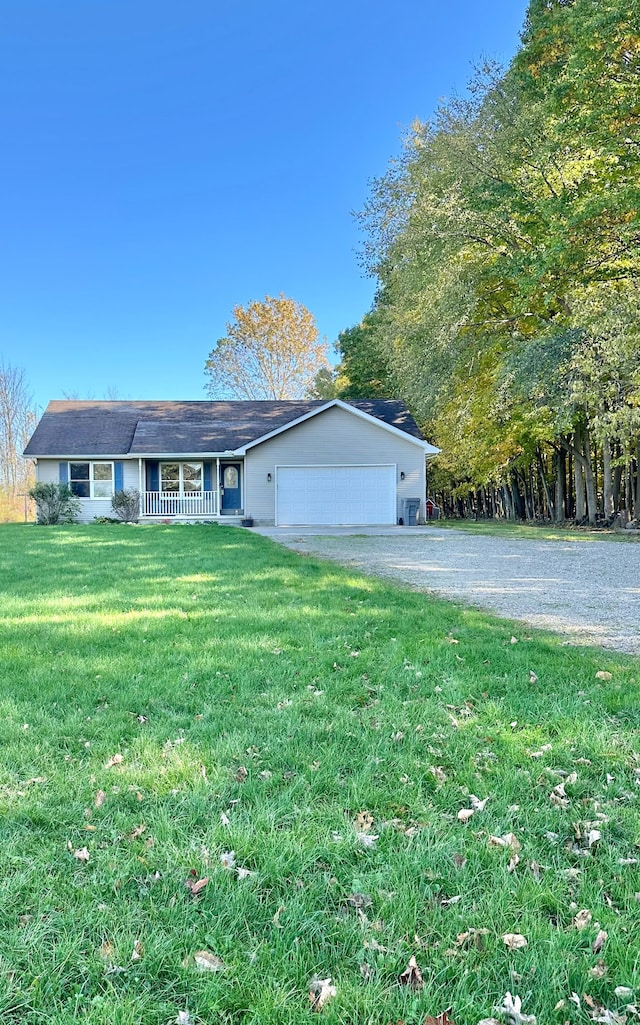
<point x="118" y="476"/>
<point x="206" y="477"/>
<point x="153" y="475"/>
<point x="63" y="473"/>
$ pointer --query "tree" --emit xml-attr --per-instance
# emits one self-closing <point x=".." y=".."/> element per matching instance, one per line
<point x="506" y="245"/>
<point x="17" y="420"/>
<point x="363" y="372"/>
<point x="271" y="351"/>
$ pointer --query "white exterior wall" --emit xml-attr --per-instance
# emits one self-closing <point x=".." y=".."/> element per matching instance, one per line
<point x="48" y="472"/>
<point x="332" y="438"/>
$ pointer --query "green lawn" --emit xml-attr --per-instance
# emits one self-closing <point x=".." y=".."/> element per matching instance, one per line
<point x="529" y="532"/>
<point x="262" y="703"/>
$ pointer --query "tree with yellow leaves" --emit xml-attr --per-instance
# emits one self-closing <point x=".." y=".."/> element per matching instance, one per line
<point x="271" y="351"/>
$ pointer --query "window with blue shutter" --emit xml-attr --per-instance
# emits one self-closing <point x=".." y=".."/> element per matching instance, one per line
<point x="118" y="476"/>
<point x="63" y="473"/>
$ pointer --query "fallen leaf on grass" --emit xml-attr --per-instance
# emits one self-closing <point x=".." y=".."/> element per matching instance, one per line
<point x="558" y="799"/>
<point x="438" y="773"/>
<point x="623" y="992"/>
<point x="224" y="819"/>
<point x="114" y="760"/>
<point x="182" y="1018"/>
<point x="359" y="901"/>
<point x="514" y="940"/>
<point x="411" y="976"/>
<point x="320" y="993"/>
<point x="582" y="919"/>
<point x="138" y="951"/>
<point x="137" y="832"/>
<point x="243" y="873"/>
<point x="203" y="961"/>
<point x="472" y="938"/>
<point x="599" y="941"/>
<point x="514" y="861"/>
<point x="99" y="799"/>
<point x="599" y="970"/>
<point x="512" y="1010"/>
<point x="440" y="1019"/>
<point x="489" y="1021"/>
<point x="82" y="854"/>
<point x="448" y="901"/>
<point x="508" y="840"/>
<point x="228" y="860"/>
<point x="542" y="752"/>
<point x="241" y="774"/>
<point x="476" y="803"/>
<point x="107" y="950"/>
<point x="367" y="839"/>
<point x="363" y="821"/>
<point x="194" y="885"/>
<point x="465" y="814"/>
<point x="602" y="674"/>
<point x="533" y="677"/>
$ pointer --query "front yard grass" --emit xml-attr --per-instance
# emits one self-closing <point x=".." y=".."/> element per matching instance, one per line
<point x="169" y="695"/>
<point x="537" y="532"/>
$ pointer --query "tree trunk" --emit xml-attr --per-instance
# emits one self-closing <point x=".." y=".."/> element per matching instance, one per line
<point x="545" y="486"/>
<point x="607" y="481"/>
<point x="637" y="508"/>
<point x="589" y="479"/>
<point x="578" y="476"/>
<point x="560" y="511"/>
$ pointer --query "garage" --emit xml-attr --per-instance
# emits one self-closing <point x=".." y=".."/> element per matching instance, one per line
<point x="334" y="495"/>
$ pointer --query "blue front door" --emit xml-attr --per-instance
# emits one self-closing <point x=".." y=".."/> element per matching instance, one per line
<point x="230" y="485"/>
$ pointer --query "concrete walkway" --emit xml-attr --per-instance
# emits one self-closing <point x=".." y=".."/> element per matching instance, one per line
<point x="587" y="590"/>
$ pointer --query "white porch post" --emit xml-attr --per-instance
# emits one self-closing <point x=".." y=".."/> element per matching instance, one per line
<point x="140" y="491"/>
<point x="218" y="502"/>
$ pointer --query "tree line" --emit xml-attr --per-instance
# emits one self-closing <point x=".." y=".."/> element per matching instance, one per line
<point x="505" y="240"/>
<point x="17" y="421"/>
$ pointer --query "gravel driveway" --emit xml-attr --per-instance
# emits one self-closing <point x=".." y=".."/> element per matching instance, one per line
<point x="588" y="590"/>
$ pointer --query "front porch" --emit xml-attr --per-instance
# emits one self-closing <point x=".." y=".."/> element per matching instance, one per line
<point x="187" y="490"/>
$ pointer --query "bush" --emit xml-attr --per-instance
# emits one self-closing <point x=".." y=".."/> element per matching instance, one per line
<point x="126" y="505"/>
<point x="55" y="503"/>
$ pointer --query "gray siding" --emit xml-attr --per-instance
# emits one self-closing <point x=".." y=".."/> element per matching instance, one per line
<point x="331" y="438"/>
<point x="47" y="471"/>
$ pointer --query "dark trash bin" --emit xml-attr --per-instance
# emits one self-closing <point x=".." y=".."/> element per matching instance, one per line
<point x="410" y="510"/>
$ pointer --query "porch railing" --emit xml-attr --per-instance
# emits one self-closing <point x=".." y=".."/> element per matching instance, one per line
<point x="194" y="504"/>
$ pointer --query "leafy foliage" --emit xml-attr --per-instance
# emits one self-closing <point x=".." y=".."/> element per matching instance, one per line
<point x="55" y="503"/>
<point x="126" y="505"/>
<point x="271" y="351"/>
<point x="506" y="242"/>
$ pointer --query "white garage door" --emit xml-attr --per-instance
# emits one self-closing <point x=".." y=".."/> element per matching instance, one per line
<point x="308" y="495"/>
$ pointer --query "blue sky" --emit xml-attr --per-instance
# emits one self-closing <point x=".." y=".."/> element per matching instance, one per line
<point x="164" y="161"/>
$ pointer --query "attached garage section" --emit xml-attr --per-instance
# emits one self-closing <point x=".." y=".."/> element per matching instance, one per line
<point x="334" y="495"/>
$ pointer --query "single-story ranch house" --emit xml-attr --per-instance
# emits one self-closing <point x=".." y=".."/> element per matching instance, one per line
<point x="284" y="463"/>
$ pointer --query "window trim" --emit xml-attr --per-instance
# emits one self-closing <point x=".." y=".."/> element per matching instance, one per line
<point x="91" y="463"/>
<point x="181" y="493"/>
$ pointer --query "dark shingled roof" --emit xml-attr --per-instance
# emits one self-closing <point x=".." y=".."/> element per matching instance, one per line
<point x="179" y="428"/>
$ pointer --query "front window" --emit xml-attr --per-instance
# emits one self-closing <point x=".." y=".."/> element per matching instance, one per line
<point x="91" y="480"/>
<point x="181" y="478"/>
